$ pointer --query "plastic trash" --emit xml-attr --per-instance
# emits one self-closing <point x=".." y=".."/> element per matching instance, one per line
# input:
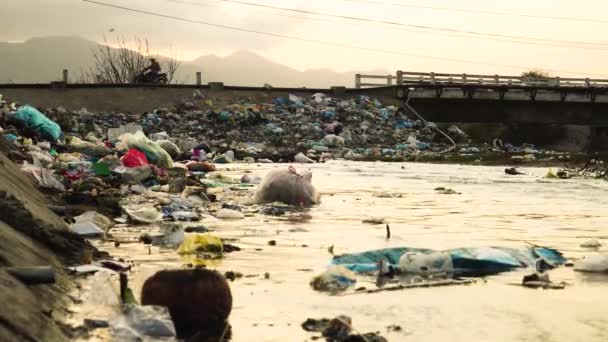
<point x="302" y="159"/>
<point x="155" y="154"/>
<point x="134" y="158"/>
<point x="426" y="264"/>
<point x="332" y="140"/>
<point x="88" y="148"/>
<point x="229" y="214"/>
<point x="158" y="136"/>
<point x="251" y="179"/>
<point x="30" y="118"/>
<point x="597" y="263"/>
<point x="145" y="213"/>
<point x="91" y="223"/>
<point x="287" y="186"/>
<point x="115" y="133"/>
<point x="336" y="278"/>
<point x="197" y="242"/>
<point x="143" y="323"/>
<point x="43" y="176"/>
<point x="593" y="243"/>
<point x="171" y="148"/>
<point x="134" y="174"/>
<point x="473" y="261"/>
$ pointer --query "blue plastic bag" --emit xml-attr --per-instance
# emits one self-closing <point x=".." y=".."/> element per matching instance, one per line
<point x="31" y="118"/>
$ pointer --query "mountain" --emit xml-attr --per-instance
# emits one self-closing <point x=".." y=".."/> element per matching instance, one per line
<point x="40" y="60"/>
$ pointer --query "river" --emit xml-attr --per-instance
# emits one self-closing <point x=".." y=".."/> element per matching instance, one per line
<point x="491" y="209"/>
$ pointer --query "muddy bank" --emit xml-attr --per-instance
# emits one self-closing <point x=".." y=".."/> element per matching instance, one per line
<point x="31" y="235"/>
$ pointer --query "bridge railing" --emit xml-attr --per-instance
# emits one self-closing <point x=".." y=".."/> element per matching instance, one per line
<point x="408" y="77"/>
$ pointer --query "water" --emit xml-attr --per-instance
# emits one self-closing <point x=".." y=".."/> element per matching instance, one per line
<point x="491" y="209"/>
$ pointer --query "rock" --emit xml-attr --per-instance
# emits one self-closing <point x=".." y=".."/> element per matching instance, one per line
<point x="198" y="300"/>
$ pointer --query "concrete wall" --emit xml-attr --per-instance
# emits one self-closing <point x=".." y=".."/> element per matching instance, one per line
<point x="142" y="99"/>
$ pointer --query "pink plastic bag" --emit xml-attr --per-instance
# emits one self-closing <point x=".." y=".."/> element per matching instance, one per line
<point x="134" y="158"/>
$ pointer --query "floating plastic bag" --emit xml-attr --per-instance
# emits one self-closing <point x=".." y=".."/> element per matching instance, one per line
<point x="154" y="152"/>
<point x="592" y="263"/>
<point x="134" y="158"/>
<point x="287" y="186"/>
<point x="336" y="278"/>
<point x="197" y="242"/>
<point x="29" y="117"/>
<point x="426" y="264"/>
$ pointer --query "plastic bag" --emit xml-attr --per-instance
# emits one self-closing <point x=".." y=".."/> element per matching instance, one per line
<point x="336" y="278"/>
<point x="88" y="148"/>
<point x="134" y="158"/>
<point x="426" y="264"/>
<point x="145" y="213"/>
<point x="287" y="186"/>
<point x="171" y="148"/>
<point x="302" y="159"/>
<point x="30" y="118"/>
<point x="154" y="152"/>
<point x="196" y="242"/>
<point x="332" y="140"/>
<point x="229" y="214"/>
<point x="592" y="263"/>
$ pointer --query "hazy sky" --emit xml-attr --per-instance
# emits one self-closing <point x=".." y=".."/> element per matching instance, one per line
<point x="411" y="49"/>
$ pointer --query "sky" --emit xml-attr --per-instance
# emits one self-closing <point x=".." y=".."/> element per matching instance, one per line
<point x="349" y="45"/>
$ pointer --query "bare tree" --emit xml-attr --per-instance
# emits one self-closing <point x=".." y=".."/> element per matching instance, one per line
<point x="122" y="61"/>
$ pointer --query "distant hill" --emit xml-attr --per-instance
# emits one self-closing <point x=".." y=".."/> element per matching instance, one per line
<point x="40" y="60"/>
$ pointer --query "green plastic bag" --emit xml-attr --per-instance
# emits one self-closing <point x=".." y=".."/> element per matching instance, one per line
<point x="31" y="118"/>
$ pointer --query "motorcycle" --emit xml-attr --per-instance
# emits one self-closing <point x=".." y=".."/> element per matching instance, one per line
<point x="143" y="77"/>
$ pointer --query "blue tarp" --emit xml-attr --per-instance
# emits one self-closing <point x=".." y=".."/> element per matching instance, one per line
<point x="473" y="261"/>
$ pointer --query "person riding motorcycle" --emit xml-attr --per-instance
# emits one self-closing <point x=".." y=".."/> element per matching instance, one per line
<point x="153" y="70"/>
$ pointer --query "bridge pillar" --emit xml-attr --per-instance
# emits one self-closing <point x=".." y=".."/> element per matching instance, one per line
<point x="399" y="77"/>
<point x="199" y="78"/>
<point x="65" y="76"/>
<point x="358" y="81"/>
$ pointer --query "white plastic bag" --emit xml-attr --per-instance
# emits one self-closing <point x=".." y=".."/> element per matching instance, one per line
<point x="287" y="186"/>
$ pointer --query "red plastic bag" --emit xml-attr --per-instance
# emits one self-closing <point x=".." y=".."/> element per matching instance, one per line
<point x="134" y="158"/>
